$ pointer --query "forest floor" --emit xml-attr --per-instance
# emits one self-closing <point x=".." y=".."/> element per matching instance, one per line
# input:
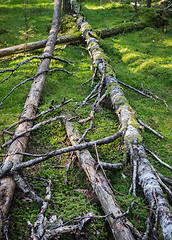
<point x="140" y="58"/>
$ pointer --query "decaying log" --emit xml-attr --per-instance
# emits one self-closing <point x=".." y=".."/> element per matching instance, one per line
<point x="119" y="227"/>
<point x="107" y="32"/>
<point x="120" y="28"/>
<point x="37" y="45"/>
<point x="132" y="137"/>
<point x="7" y="185"/>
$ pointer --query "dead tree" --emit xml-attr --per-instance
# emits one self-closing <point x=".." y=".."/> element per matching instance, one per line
<point x="120" y="227"/>
<point x="132" y="137"/>
<point x="104" y="33"/>
<point x="7" y="185"/>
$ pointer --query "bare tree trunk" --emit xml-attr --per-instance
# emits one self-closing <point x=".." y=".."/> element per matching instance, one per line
<point x="121" y="226"/>
<point x="7" y="185"/>
<point x="132" y="137"/>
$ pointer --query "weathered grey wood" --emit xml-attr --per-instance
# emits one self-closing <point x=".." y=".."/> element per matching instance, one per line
<point x="7" y="185"/>
<point x="132" y="137"/>
<point x="120" y="227"/>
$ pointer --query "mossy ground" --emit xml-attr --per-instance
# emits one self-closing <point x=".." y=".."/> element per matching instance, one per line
<point x="138" y="58"/>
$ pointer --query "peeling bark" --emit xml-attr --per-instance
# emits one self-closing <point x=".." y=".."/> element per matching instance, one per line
<point x="120" y="227"/>
<point x="7" y="185"/>
<point x="132" y="137"/>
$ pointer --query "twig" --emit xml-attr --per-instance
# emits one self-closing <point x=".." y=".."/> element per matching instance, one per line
<point x="112" y="166"/>
<point x="68" y="167"/>
<point x="99" y="165"/>
<point x="168" y="191"/>
<point x="127" y="211"/>
<point x="148" y="222"/>
<point x="32" y="78"/>
<point x="39" y="224"/>
<point x="80" y="220"/>
<point x="88" y="97"/>
<point x="40" y="114"/>
<point x="165" y="179"/>
<point x="30" y="59"/>
<point x="67" y="149"/>
<point x="158" y="159"/>
<point x="150" y="129"/>
<point x="25" y="187"/>
<point x="30" y="130"/>
<point x="150" y="95"/>
<point x="94" y="105"/>
<point x="91" y="79"/>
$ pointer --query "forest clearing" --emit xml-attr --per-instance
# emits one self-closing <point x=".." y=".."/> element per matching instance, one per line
<point x="85" y="120"/>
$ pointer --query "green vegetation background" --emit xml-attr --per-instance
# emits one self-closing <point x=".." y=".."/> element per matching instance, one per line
<point x="141" y="59"/>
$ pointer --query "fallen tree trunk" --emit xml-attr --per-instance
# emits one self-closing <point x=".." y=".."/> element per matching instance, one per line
<point x="120" y="28"/>
<point x="7" y="185"/>
<point x="121" y="226"/>
<point x="37" y="45"/>
<point x="104" y="33"/>
<point x="132" y="136"/>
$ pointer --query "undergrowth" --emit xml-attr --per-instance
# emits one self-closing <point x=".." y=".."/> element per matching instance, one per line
<point x="140" y="59"/>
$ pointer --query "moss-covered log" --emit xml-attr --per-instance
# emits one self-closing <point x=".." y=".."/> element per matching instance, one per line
<point x="7" y="185"/>
<point x="132" y="138"/>
<point x="120" y="28"/>
<point x="121" y="226"/>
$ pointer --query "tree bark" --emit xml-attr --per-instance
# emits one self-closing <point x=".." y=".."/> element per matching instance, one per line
<point x="7" y="185"/>
<point x="132" y="137"/>
<point x="120" y="227"/>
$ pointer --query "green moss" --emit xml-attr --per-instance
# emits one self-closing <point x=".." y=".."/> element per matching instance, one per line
<point x="150" y="17"/>
<point x="110" y="72"/>
<point x="111" y="85"/>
